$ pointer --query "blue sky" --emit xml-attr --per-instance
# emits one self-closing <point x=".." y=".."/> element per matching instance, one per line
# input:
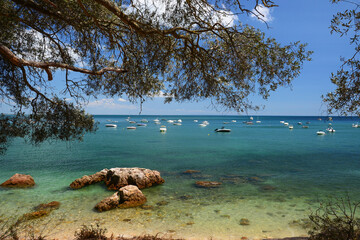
<point x="307" y="21"/>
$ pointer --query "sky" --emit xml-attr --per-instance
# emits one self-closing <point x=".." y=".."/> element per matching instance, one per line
<point x="306" y="21"/>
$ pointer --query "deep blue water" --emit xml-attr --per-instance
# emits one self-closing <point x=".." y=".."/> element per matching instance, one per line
<point x="299" y="164"/>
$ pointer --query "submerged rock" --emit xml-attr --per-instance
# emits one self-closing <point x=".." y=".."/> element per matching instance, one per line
<point x="48" y="206"/>
<point x="36" y="214"/>
<point x="116" y="178"/>
<point x="190" y="171"/>
<point x="244" y="222"/>
<point x="127" y="197"/>
<point x="208" y="184"/>
<point x="19" y="181"/>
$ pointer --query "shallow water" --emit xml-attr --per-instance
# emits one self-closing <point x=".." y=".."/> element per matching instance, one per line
<point x="301" y="167"/>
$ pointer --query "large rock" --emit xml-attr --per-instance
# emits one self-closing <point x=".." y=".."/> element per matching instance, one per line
<point x="141" y="177"/>
<point x="127" y="197"/>
<point x="115" y="178"/>
<point x="89" y="179"/>
<point x="19" y="181"/>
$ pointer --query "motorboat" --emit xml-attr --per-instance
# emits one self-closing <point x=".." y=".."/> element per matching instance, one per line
<point x="233" y="120"/>
<point x="132" y="122"/>
<point x="111" y="125"/>
<point x="291" y="127"/>
<point x="320" y="132"/>
<point x="305" y="126"/>
<point x="170" y="121"/>
<point x="249" y="123"/>
<point x="299" y="123"/>
<point x="163" y="128"/>
<point x="131" y="127"/>
<point x="251" y="118"/>
<point x="286" y="124"/>
<point x="144" y="120"/>
<point x="156" y="120"/>
<point x="330" y="130"/>
<point x="282" y="122"/>
<point x="355" y="125"/>
<point x="223" y="129"/>
<point x="202" y="125"/>
<point x="226" y="122"/>
<point x="179" y="120"/>
<point x="258" y="121"/>
<point x="141" y="124"/>
<point x="177" y="124"/>
<point x="195" y="120"/>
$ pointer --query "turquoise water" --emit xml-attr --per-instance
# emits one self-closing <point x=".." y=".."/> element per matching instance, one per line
<point x="301" y="167"/>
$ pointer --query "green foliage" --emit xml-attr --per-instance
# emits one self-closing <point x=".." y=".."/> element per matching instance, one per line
<point x="346" y="97"/>
<point x="121" y="48"/>
<point x="336" y="220"/>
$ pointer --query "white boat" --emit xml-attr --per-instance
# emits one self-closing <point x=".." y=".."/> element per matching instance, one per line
<point x="291" y="127"/>
<point x="258" y="121"/>
<point x="299" y="123"/>
<point x="195" y="120"/>
<point x="177" y="124"/>
<point x="170" y="121"/>
<point x="144" y="120"/>
<point x="141" y="124"/>
<point x="282" y="122"/>
<point x="355" y="125"/>
<point x="233" y="120"/>
<point x="132" y="122"/>
<point x="156" y="120"/>
<point x="330" y="130"/>
<point x="111" y="125"/>
<point x="179" y="120"/>
<point x="286" y="123"/>
<point x="131" y="127"/>
<point x="202" y="125"/>
<point x="223" y="129"/>
<point x="251" y="118"/>
<point x="163" y="128"/>
<point x="320" y="132"/>
<point x="205" y="122"/>
<point x="305" y="126"/>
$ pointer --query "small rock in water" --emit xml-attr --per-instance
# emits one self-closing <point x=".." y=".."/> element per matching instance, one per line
<point x="207" y="184"/>
<point x="225" y="216"/>
<point x="147" y="207"/>
<point x="190" y="223"/>
<point x="185" y="197"/>
<point x="268" y="188"/>
<point x="244" y="222"/>
<point x="19" y="181"/>
<point x="126" y="220"/>
<point x="162" y="203"/>
<point x="191" y="171"/>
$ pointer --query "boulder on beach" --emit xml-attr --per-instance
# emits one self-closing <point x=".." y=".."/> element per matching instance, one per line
<point x="116" y="178"/>
<point x="207" y="184"/>
<point x="127" y="197"/>
<point x="19" y="181"/>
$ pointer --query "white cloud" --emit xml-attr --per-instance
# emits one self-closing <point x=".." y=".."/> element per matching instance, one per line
<point x="122" y="100"/>
<point x="109" y="104"/>
<point x="165" y="9"/>
<point x="262" y="13"/>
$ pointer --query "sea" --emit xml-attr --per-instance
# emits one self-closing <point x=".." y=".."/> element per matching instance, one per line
<point x="272" y="177"/>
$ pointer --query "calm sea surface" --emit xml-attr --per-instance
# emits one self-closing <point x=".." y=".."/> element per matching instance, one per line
<point x="270" y="175"/>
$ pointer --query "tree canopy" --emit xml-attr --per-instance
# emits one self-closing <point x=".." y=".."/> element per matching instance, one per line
<point x="345" y="99"/>
<point x="189" y="50"/>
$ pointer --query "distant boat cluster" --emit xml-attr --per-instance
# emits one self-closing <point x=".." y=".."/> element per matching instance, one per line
<point x="178" y="122"/>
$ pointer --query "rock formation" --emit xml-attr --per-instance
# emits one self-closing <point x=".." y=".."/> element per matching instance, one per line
<point x="19" y="181"/>
<point x="89" y="179"/>
<point x="126" y="197"/>
<point x="115" y="178"/>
